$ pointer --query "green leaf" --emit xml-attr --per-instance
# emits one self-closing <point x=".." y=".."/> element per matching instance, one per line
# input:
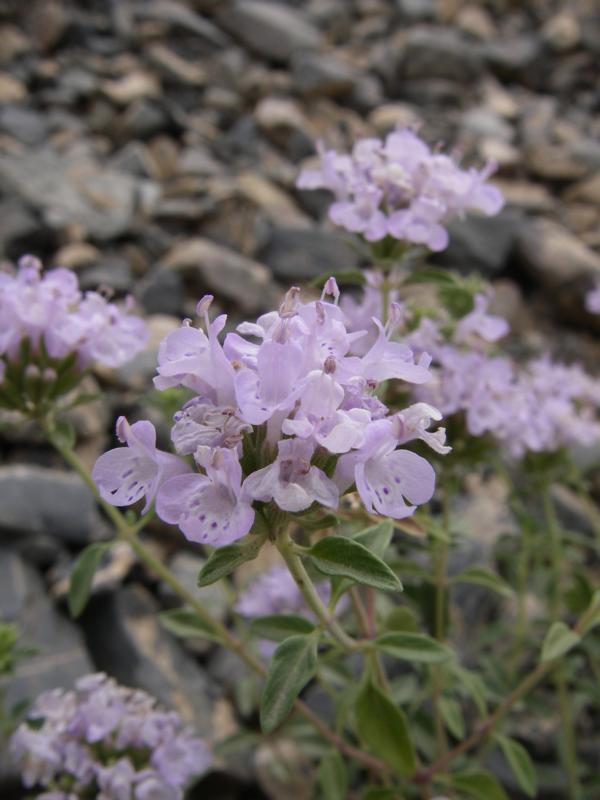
<point x="224" y="560"/>
<point x="63" y="434"/>
<point x="344" y="277"/>
<point x="479" y="785"/>
<point x="452" y="716"/>
<point x="280" y="626"/>
<point x="380" y="793"/>
<point x="377" y="538"/>
<point x="293" y="664"/>
<point x="482" y="576"/>
<point x="430" y="275"/>
<point x="187" y="624"/>
<point x="384" y="729"/>
<point x="82" y="576"/>
<point x="402" y="619"/>
<point x="520" y="763"/>
<point x="413" y="647"/>
<point x="559" y="640"/>
<point x="592" y="614"/>
<point x="336" y="555"/>
<point x="333" y="777"/>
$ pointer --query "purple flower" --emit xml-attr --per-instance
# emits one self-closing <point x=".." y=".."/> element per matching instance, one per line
<point x="399" y="187"/>
<point x="208" y="508"/>
<point x="49" y="308"/>
<point x="276" y="592"/>
<point x="200" y="423"/>
<point x="385" y="476"/>
<point x="106" y="741"/>
<point x="125" y="475"/>
<point x="291" y="481"/>
<point x="479" y="323"/>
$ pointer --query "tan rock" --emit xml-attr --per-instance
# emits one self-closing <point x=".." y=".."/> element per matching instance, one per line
<point x="11" y="89"/>
<point x="134" y="86"/>
<point x="587" y="190"/>
<point x="77" y="255"/>
<point x="176" y="66"/>
<point x="391" y="115"/>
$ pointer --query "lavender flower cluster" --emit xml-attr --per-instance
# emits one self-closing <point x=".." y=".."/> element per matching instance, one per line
<point x="539" y="406"/>
<point x="108" y="742"/>
<point x="284" y="413"/>
<point x="400" y="188"/>
<point x="49" y="312"/>
<point x="592" y="299"/>
<point x="276" y="592"/>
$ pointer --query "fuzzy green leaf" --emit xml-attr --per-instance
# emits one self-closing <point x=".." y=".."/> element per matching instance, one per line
<point x="413" y="647"/>
<point x="82" y="576"/>
<point x="333" y="776"/>
<point x="479" y="785"/>
<point x="279" y="626"/>
<point x="384" y="729"/>
<point x="520" y="763"/>
<point x="188" y="625"/>
<point x="482" y="576"/>
<point x="559" y="640"/>
<point x="293" y="664"/>
<point x="338" y="556"/>
<point x="224" y="560"/>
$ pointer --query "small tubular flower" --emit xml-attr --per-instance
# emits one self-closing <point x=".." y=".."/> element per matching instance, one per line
<point x="125" y="475"/>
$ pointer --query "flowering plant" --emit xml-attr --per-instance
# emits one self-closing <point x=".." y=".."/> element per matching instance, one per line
<point x="308" y="440"/>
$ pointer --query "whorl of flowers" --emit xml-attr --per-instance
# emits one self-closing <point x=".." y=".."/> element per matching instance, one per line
<point x="399" y="187"/>
<point x="285" y="415"/>
<point x="538" y="406"/>
<point x="48" y="309"/>
<point x="105" y="741"/>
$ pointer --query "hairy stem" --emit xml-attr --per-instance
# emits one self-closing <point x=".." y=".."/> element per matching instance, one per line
<point x="128" y="532"/>
<point x="488" y="725"/>
<point x="569" y="748"/>
<point x="285" y="545"/>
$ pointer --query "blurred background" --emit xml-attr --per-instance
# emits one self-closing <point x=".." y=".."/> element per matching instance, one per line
<point x="153" y="147"/>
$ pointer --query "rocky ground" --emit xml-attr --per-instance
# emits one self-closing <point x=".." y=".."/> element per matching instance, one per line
<point x="153" y="146"/>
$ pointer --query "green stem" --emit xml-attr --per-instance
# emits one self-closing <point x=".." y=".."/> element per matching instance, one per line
<point x="286" y="547"/>
<point x="129" y="532"/>
<point x="488" y="725"/>
<point x="569" y="748"/>
<point x="440" y="563"/>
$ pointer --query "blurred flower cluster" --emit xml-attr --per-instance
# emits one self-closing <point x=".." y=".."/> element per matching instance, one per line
<point x="50" y="331"/>
<point x="401" y="188"/>
<point x="108" y="742"/>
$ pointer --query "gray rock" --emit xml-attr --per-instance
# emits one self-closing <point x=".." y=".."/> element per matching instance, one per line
<point x="319" y="73"/>
<point x="37" y="501"/>
<point x="210" y="266"/>
<point x="180" y="16"/>
<point x="24" y="124"/>
<point x="553" y="256"/>
<point x="143" y="118"/>
<point x="21" y="232"/>
<point x="513" y="56"/>
<point x="482" y="243"/>
<point x="112" y="271"/>
<point x="295" y="254"/>
<point x="416" y="10"/>
<point x="433" y="52"/>
<point x="71" y="189"/>
<point x="61" y="656"/>
<point x="127" y="641"/>
<point x="270" y="30"/>
<point x="161" y="292"/>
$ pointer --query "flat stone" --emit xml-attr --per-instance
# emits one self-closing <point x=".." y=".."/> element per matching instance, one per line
<point x="162" y="292"/>
<point x="181" y="16"/>
<point x="553" y="162"/>
<point x="210" y="266"/>
<point x="72" y="189"/>
<point x="270" y="30"/>
<point x="12" y="90"/>
<point x="294" y="254"/>
<point x="128" y="642"/>
<point x="388" y="116"/>
<point x="322" y="74"/>
<point x="482" y="243"/>
<point x="133" y="86"/>
<point x="434" y="52"/>
<point x="61" y="656"/>
<point x="21" y="231"/>
<point x="587" y="190"/>
<point x="526" y="195"/>
<point x="174" y="66"/>
<point x="512" y="56"/>
<point x="37" y="501"/>
<point x="23" y="124"/>
<point x="553" y="255"/>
